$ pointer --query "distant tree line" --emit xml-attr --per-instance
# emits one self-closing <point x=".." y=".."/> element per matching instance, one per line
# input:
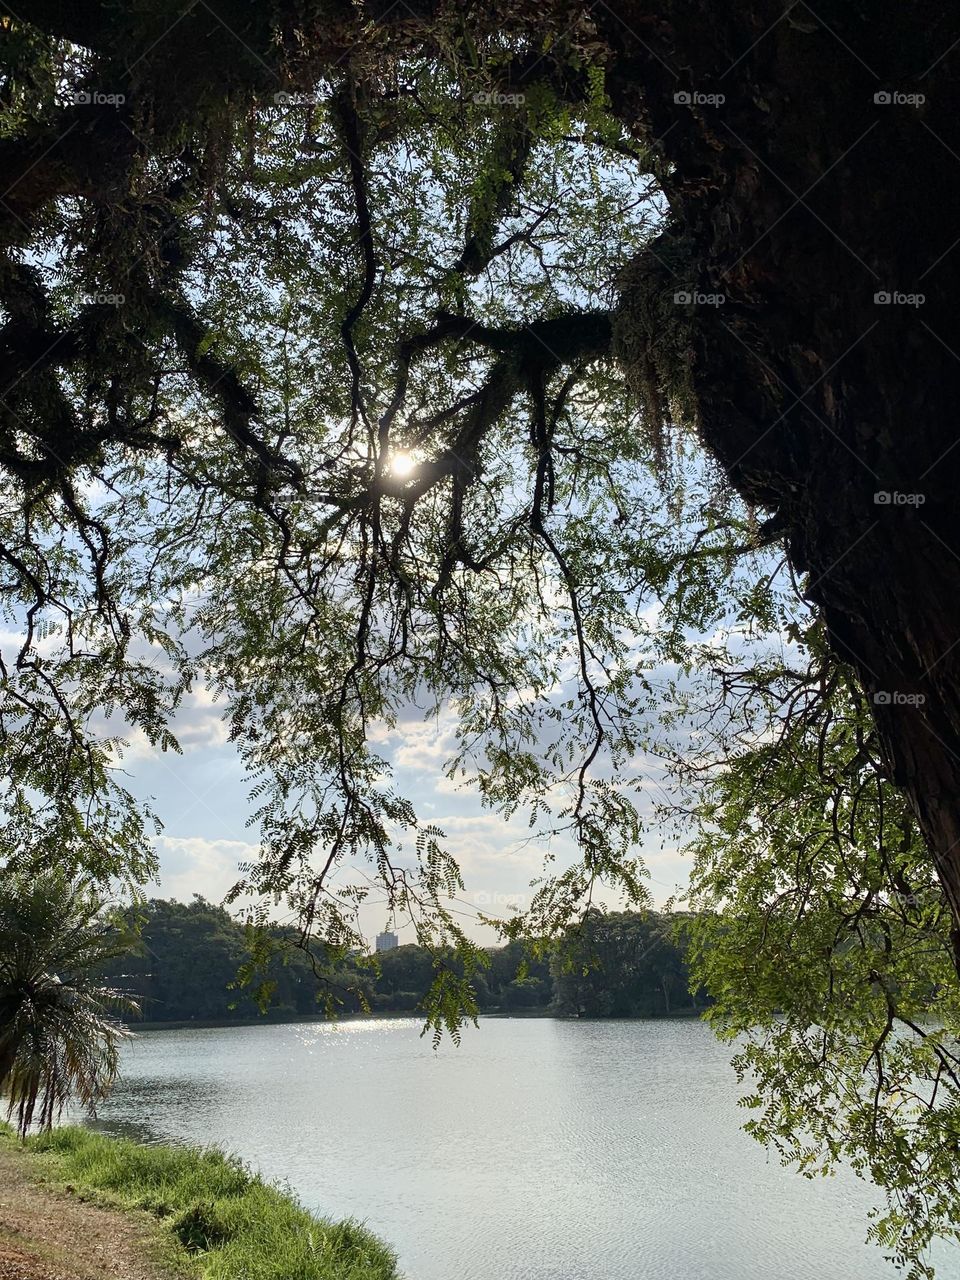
<point x="623" y="965"/>
<point x="186" y="965"/>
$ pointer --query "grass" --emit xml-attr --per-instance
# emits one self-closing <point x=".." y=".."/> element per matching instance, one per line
<point x="232" y="1224"/>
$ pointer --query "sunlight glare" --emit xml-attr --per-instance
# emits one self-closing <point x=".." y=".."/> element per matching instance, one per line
<point x="402" y="465"/>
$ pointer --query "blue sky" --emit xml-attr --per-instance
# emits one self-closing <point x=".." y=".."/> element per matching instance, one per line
<point x="202" y="800"/>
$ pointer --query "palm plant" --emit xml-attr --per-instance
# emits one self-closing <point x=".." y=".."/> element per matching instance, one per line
<point x="57" y="1039"/>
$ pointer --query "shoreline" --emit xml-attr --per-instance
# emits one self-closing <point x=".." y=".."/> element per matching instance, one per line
<point x="48" y="1233"/>
<point x="287" y="1020"/>
<point x="78" y="1204"/>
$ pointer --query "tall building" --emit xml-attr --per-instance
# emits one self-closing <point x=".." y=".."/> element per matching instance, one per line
<point x="388" y="940"/>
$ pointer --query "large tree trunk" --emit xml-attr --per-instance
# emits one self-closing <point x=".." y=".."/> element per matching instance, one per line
<point x="804" y="195"/>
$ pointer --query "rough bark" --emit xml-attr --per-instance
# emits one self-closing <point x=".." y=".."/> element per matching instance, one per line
<point x="803" y="197"/>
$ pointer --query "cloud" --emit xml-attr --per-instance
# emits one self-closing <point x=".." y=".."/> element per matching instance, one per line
<point x="485" y="842"/>
<point x="424" y="747"/>
<point x="199" y="721"/>
<point x="192" y="864"/>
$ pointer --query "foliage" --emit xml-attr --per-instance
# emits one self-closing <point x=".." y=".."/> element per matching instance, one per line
<point x="389" y="270"/>
<point x="621" y="965"/>
<point x="260" y="323"/>
<point x="188" y="955"/>
<point x="229" y="1220"/>
<point x="57" y="1040"/>
<point x="847" y="1015"/>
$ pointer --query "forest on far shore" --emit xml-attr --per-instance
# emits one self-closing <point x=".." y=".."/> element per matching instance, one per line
<point x="185" y="966"/>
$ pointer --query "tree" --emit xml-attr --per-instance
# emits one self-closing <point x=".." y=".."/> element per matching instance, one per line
<point x="823" y="934"/>
<point x="407" y="968"/>
<point x="363" y="357"/>
<point x="620" y="965"/>
<point x="57" y="1040"/>
<point x="190" y="960"/>
<point x="795" y="383"/>
<point x="188" y="956"/>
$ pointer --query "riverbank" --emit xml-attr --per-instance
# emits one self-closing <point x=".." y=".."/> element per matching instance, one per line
<point x="267" y="1020"/>
<point x="294" y="1019"/>
<point x="48" y="1233"/>
<point x="76" y="1205"/>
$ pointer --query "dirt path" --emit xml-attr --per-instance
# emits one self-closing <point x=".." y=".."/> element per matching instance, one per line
<point x="46" y="1234"/>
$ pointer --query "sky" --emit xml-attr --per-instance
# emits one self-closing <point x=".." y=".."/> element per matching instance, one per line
<point x="201" y="798"/>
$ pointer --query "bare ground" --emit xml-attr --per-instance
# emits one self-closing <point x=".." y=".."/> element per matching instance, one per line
<point x="50" y="1234"/>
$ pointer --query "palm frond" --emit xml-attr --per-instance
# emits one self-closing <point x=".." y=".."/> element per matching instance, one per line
<point x="58" y="1038"/>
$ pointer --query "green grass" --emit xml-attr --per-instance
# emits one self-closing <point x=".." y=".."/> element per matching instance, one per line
<point x="232" y="1224"/>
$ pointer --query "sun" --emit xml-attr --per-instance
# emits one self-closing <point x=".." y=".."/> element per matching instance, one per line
<point x="402" y="465"/>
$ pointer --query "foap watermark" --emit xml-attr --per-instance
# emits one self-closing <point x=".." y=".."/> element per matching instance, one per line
<point x="95" y="98"/>
<point x="483" y="98"/>
<point x="692" y="298"/>
<point x="512" y="901"/>
<point x="693" y="98"/>
<point x="896" y="98"/>
<point x="896" y="698"/>
<point x="894" y="498"/>
<point x="894" y="298"/>
<point x="283" y="99"/>
<point x="916" y="898"/>
<point x="102" y="299"/>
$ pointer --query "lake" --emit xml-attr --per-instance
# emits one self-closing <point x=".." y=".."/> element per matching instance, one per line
<point x="538" y="1150"/>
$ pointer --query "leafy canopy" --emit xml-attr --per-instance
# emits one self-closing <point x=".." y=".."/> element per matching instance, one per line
<point x="319" y="401"/>
<point x="353" y="438"/>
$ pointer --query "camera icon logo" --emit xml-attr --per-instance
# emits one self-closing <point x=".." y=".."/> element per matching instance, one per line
<point x="883" y="298"/>
<point x="882" y="699"/>
<point x="883" y="97"/>
<point x="682" y="98"/>
<point x="683" y="298"/>
<point x="882" y="498"/>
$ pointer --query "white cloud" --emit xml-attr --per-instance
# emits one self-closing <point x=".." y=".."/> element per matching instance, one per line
<point x="192" y="864"/>
<point x="424" y="747"/>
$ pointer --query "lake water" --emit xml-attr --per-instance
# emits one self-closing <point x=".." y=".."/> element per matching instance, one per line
<point x="538" y="1150"/>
